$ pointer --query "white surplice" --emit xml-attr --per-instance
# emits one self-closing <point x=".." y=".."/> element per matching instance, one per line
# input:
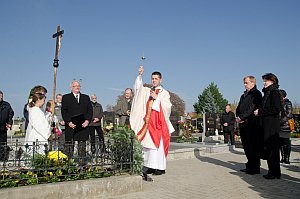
<point x="154" y="158"/>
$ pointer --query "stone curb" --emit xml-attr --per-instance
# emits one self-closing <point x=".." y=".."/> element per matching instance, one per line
<point x="92" y="188"/>
<point x="186" y="153"/>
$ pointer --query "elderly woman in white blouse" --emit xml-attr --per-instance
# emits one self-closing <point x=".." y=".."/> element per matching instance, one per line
<point x="38" y="127"/>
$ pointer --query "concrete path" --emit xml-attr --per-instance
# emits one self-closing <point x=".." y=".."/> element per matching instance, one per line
<point x="218" y="176"/>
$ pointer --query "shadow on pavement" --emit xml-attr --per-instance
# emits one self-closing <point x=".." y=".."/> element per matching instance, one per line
<point x="286" y="187"/>
<point x="231" y="149"/>
<point x="296" y="148"/>
<point x="292" y="168"/>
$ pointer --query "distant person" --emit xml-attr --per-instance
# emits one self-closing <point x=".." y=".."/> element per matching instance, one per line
<point x="227" y="121"/>
<point x="270" y="113"/>
<point x="61" y="122"/>
<point x="150" y="120"/>
<point x="55" y="128"/>
<point x="6" y="121"/>
<point x="122" y="109"/>
<point x="249" y="124"/>
<point x="95" y="124"/>
<point x="38" y="126"/>
<point x="285" y="129"/>
<point x="77" y="113"/>
<point x="26" y="115"/>
<point x="48" y="111"/>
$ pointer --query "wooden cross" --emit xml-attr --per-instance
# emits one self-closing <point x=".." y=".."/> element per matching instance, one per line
<point x="58" y="36"/>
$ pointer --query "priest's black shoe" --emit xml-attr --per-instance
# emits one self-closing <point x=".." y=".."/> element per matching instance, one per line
<point x="159" y="172"/>
<point x="147" y="177"/>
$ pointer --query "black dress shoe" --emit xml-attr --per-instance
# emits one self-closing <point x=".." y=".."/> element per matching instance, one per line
<point x="147" y="178"/>
<point x="244" y="170"/>
<point x="159" y="172"/>
<point x="271" y="177"/>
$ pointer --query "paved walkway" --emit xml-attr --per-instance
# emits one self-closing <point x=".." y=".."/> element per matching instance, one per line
<point x="218" y="176"/>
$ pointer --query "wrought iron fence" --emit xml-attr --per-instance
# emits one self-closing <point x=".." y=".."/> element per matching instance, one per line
<point x="37" y="162"/>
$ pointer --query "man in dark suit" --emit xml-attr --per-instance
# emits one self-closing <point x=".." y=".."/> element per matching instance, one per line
<point x="227" y="121"/>
<point x="77" y="113"/>
<point x="250" y="128"/>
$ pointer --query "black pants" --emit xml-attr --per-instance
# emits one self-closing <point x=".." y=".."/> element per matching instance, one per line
<point x="62" y="140"/>
<point x="273" y="159"/>
<point x="231" y="134"/>
<point x="93" y="137"/>
<point x="69" y="149"/>
<point x="250" y="141"/>
<point x="285" y="149"/>
<point x="4" y="150"/>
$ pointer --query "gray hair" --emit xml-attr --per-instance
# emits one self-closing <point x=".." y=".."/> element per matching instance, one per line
<point x="74" y="82"/>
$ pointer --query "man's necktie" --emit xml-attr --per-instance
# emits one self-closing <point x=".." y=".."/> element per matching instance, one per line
<point x="77" y="98"/>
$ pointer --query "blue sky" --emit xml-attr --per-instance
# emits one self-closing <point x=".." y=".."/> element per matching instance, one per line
<point x="192" y="42"/>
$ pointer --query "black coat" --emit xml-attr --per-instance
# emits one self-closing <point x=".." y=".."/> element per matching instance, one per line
<point x="70" y="107"/>
<point x="270" y="112"/>
<point x="6" y="115"/>
<point x="249" y="102"/>
<point x="285" y="115"/>
<point x="250" y="129"/>
<point x="230" y="119"/>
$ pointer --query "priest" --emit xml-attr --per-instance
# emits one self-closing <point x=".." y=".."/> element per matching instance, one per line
<point x="150" y="120"/>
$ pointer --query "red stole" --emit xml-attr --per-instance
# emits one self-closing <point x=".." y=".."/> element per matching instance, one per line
<point x="157" y="126"/>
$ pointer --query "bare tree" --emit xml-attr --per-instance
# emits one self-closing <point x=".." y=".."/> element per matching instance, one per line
<point x="109" y="108"/>
<point x="296" y="108"/>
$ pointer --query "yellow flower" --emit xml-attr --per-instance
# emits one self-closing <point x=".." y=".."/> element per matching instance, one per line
<point x="109" y="127"/>
<point x="50" y="173"/>
<point x="54" y="155"/>
<point x="29" y="173"/>
<point x="3" y="173"/>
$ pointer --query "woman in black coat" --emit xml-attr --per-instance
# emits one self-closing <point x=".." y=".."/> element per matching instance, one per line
<point x="270" y="112"/>
<point x="285" y="129"/>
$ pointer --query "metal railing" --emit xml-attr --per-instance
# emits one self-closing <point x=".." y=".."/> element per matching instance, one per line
<point x="37" y="162"/>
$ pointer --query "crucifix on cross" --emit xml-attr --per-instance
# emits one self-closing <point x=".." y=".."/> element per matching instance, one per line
<point x="58" y="36"/>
